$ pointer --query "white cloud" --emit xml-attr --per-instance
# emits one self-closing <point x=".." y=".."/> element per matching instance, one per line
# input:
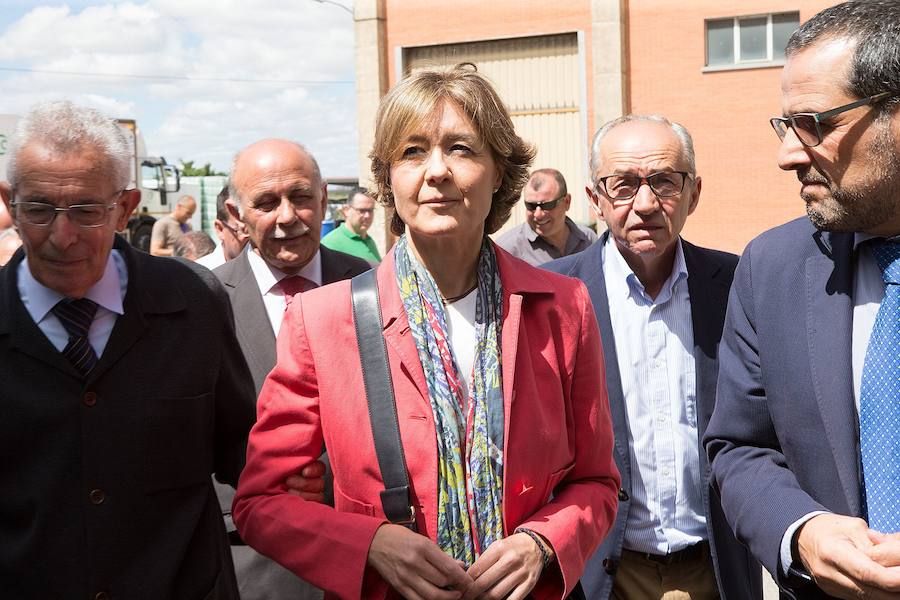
<point x="197" y="119"/>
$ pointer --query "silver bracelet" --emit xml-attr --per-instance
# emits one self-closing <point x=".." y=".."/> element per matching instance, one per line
<point x="545" y="557"/>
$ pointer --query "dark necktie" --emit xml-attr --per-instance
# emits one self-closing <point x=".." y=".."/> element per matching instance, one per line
<point x="293" y="285"/>
<point x="77" y="316"/>
<point x="879" y="411"/>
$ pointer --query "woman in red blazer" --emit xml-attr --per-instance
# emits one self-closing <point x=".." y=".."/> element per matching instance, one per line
<point x="498" y="377"/>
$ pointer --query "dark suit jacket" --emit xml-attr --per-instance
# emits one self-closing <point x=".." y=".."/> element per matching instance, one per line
<point x="709" y="277"/>
<point x="106" y="481"/>
<point x="260" y="578"/>
<point x="254" y="331"/>
<point x="784" y="439"/>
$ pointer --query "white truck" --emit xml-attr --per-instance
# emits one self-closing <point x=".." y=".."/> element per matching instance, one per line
<point x="156" y="179"/>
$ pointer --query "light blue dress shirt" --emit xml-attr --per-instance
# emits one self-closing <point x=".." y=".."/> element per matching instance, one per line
<point x="108" y="293"/>
<point x="654" y="340"/>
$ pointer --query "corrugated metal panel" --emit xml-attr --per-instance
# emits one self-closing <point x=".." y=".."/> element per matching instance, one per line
<point x="538" y="78"/>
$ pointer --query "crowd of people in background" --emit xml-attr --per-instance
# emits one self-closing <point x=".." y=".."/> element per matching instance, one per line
<point x="554" y="414"/>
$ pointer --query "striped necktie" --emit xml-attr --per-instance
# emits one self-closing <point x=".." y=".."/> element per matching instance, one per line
<point x="879" y="412"/>
<point x="77" y="316"/>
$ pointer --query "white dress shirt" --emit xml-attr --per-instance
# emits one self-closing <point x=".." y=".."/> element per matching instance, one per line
<point x="214" y="259"/>
<point x="267" y="279"/>
<point x="108" y="293"/>
<point x="654" y="341"/>
<point x="868" y="292"/>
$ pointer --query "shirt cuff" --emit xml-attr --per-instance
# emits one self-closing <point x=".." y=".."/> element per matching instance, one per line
<point x="787" y="560"/>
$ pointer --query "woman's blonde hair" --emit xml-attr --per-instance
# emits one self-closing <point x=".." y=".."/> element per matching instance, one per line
<point x="413" y="101"/>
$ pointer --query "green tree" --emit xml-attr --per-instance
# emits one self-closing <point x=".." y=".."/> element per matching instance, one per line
<point x="189" y="170"/>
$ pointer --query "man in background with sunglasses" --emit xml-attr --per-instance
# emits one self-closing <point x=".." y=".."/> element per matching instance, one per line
<point x="805" y="439"/>
<point x="547" y="232"/>
<point x="123" y="385"/>
<point x="660" y="303"/>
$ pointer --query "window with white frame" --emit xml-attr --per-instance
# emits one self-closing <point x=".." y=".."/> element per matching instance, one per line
<point x="757" y="39"/>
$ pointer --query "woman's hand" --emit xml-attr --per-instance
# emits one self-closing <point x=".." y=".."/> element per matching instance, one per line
<point x="415" y="567"/>
<point x="509" y="568"/>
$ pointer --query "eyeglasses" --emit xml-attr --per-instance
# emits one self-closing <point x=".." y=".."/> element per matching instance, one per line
<point x="363" y="211"/>
<point x="625" y="186"/>
<point x="808" y="126"/>
<point x="545" y="206"/>
<point x="41" y="214"/>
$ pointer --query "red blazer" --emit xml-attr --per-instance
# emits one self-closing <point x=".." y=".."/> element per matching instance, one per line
<point x="558" y="432"/>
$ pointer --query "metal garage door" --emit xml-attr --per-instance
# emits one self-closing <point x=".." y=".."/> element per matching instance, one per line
<point x="540" y="79"/>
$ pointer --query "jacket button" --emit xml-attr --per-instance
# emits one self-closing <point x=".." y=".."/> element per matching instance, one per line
<point x="97" y="497"/>
<point x="609" y="565"/>
<point x="102" y="596"/>
<point x="90" y="399"/>
<point x="623" y="495"/>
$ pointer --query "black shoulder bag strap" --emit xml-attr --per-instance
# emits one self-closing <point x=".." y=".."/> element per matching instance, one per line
<point x="380" y="396"/>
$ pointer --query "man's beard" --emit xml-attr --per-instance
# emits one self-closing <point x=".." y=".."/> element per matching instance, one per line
<point x="866" y="206"/>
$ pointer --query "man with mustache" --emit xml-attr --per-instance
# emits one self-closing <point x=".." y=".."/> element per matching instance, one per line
<point x="660" y="303"/>
<point x="279" y="200"/>
<point x="547" y="232"/>
<point x="804" y="440"/>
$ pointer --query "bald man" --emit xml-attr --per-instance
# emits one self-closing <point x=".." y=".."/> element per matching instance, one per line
<point x="171" y="227"/>
<point x="279" y="202"/>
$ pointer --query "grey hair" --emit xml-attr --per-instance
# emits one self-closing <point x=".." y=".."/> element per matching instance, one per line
<point x="874" y="25"/>
<point x="687" y="143"/>
<point x="65" y="129"/>
<point x="232" y="190"/>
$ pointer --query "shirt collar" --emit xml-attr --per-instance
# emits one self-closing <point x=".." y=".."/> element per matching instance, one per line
<point x="108" y="292"/>
<point x="860" y="238"/>
<point x="349" y="232"/>
<point x="616" y="266"/>
<point x="267" y="277"/>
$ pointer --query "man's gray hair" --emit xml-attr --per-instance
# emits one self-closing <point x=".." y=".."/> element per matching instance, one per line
<point x="65" y="128"/>
<point x="232" y="190"/>
<point x="687" y="143"/>
<point x="875" y="27"/>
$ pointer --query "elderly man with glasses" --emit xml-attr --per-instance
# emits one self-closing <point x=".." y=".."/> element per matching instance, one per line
<point x="124" y="387"/>
<point x="804" y="440"/>
<point x="660" y="303"/>
<point x="547" y="232"/>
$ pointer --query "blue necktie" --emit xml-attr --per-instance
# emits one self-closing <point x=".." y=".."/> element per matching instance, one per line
<point x="879" y="414"/>
<point x="77" y="316"/>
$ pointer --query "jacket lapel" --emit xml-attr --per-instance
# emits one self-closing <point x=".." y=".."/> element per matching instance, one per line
<point x="589" y="269"/>
<point x="397" y="334"/>
<point x="147" y="293"/>
<point x="708" y="288"/>
<point x="252" y="325"/>
<point x="829" y="294"/>
<point x="25" y="335"/>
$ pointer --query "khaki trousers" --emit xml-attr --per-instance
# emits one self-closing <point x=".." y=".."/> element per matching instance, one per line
<point x="641" y="578"/>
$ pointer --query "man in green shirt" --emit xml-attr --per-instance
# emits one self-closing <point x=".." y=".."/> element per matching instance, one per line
<point x="352" y="237"/>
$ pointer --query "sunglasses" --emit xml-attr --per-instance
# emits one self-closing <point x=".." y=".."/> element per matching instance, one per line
<point x="808" y="126"/>
<point x="545" y="206"/>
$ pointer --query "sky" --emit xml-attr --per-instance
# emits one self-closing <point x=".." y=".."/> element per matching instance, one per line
<point x="237" y="71"/>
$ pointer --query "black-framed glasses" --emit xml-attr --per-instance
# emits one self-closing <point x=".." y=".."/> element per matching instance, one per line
<point x="42" y="214"/>
<point x="625" y="186"/>
<point x="545" y="206"/>
<point x="808" y="126"/>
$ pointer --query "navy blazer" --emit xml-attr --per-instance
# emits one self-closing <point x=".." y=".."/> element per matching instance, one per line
<point x="709" y="278"/>
<point x="784" y="438"/>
